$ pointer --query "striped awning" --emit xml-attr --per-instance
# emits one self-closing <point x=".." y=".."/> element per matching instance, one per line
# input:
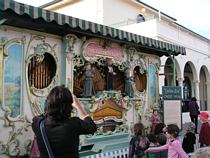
<point x="94" y="28"/>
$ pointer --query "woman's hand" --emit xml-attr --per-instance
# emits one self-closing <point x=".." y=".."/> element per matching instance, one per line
<point x="77" y="105"/>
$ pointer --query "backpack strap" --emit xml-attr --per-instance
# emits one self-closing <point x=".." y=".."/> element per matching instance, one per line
<point x="45" y="139"/>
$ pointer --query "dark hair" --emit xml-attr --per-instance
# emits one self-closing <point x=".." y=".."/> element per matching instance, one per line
<point x="173" y="129"/>
<point x="154" y="110"/>
<point x="161" y="139"/>
<point x="152" y="138"/>
<point x="193" y="99"/>
<point x="59" y="103"/>
<point x="139" y="129"/>
<point x="159" y="128"/>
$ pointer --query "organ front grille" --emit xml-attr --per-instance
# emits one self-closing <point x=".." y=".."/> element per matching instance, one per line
<point x="40" y="74"/>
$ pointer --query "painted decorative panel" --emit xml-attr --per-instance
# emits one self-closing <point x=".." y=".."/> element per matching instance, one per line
<point x="41" y="70"/>
<point x="12" y="79"/>
<point x="152" y="85"/>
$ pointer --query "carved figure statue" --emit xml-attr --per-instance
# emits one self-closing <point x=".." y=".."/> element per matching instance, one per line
<point x="129" y="83"/>
<point x="88" y="82"/>
<point x="109" y="73"/>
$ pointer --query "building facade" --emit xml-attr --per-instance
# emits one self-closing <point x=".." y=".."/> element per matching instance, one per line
<point x="192" y="70"/>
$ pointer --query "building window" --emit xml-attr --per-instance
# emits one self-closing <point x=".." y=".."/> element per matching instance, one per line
<point x="187" y="94"/>
<point x="186" y="89"/>
<point x="140" y="18"/>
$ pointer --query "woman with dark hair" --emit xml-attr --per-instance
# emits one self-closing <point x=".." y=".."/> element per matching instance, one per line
<point x="194" y="112"/>
<point x="62" y="130"/>
<point x="159" y="128"/>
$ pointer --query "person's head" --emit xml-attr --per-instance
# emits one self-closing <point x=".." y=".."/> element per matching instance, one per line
<point x="58" y="104"/>
<point x="159" y="128"/>
<point x="128" y="72"/>
<point x="201" y="153"/>
<point x="161" y="139"/>
<point x="139" y="129"/>
<point x="152" y="138"/>
<point x="204" y="116"/>
<point x="190" y="127"/>
<point x="193" y="99"/>
<point x="109" y="61"/>
<point x="155" y="111"/>
<point x="172" y="131"/>
<point x="87" y="66"/>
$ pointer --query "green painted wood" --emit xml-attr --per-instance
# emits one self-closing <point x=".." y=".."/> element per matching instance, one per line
<point x="106" y="143"/>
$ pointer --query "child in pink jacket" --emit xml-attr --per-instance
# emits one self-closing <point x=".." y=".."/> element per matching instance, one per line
<point x="174" y="146"/>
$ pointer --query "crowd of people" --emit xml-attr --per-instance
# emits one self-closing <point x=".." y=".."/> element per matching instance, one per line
<point x="165" y="141"/>
<point x="60" y="137"/>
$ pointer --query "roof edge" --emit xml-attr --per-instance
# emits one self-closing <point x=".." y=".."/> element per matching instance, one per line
<point x="50" y="3"/>
<point x="8" y="7"/>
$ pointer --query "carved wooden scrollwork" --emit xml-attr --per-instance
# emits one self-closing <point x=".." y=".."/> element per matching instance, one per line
<point x="109" y="111"/>
<point x="41" y="71"/>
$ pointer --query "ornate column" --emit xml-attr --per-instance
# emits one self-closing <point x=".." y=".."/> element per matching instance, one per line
<point x="161" y="79"/>
<point x="208" y="95"/>
<point x="70" y="41"/>
<point x="180" y="81"/>
<point x="1" y="73"/>
<point x="197" y="94"/>
<point x="2" y="43"/>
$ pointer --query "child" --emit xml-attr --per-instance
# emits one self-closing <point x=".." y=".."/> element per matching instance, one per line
<point x="152" y="139"/>
<point x="174" y="146"/>
<point x="204" y="136"/>
<point x="189" y="138"/>
<point x="139" y="143"/>
<point x="155" y="119"/>
<point x="153" y="143"/>
<point x="161" y="139"/>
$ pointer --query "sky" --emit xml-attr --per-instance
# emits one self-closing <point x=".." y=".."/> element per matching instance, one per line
<point x="192" y="14"/>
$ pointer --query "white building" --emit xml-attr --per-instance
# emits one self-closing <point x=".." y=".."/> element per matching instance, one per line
<point x="192" y="70"/>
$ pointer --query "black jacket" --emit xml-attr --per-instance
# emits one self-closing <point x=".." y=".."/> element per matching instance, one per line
<point x="188" y="142"/>
<point x="63" y="135"/>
